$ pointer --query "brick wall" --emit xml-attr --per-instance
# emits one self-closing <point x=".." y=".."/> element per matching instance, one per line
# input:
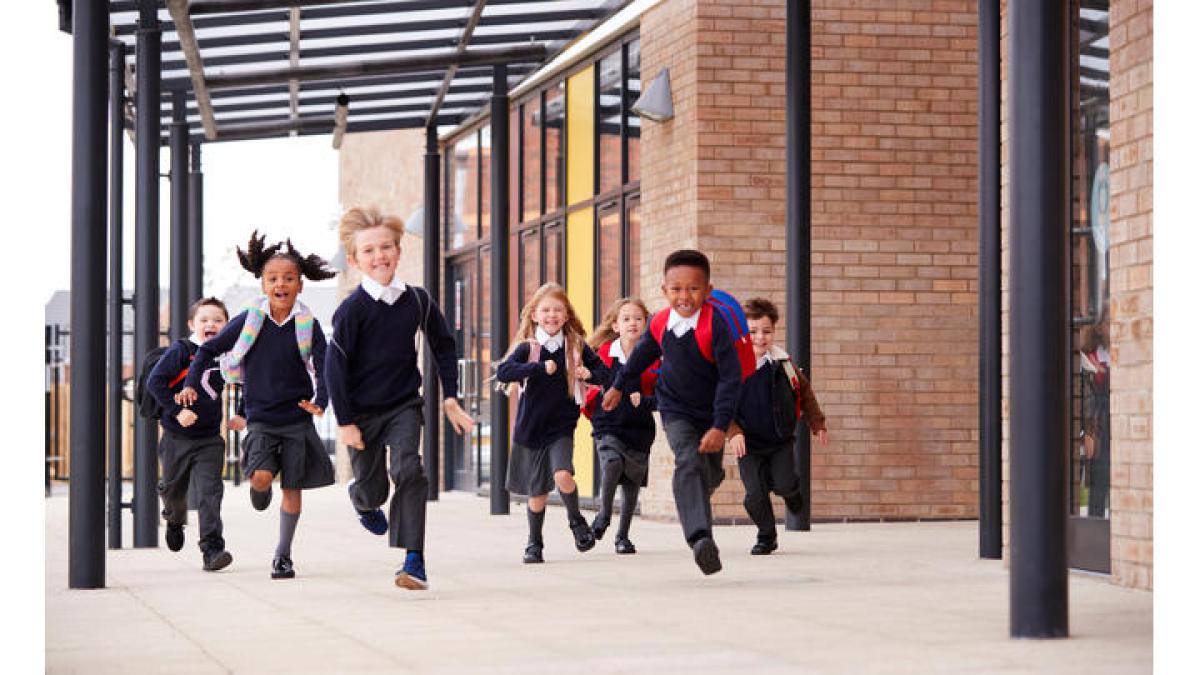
<point x="894" y="241"/>
<point x="1131" y="237"/>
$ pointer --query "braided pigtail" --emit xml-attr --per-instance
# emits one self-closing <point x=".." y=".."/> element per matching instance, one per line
<point x="256" y="255"/>
<point x="312" y="266"/>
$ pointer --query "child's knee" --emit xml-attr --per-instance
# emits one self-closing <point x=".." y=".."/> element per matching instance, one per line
<point x="537" y="504"/>
<point x="261" y="480"/>
<point x="564" y="480"/>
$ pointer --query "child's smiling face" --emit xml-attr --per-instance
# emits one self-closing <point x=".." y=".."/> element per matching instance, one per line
<point x="762" y="334"/>
<point x="376" y="254"/>
<point x="550" y="314"/>
<point x="630" y="321"/>
<point x="686" y="288"/>
<point x="207" y="322"/>
<point x="281" y="282"/>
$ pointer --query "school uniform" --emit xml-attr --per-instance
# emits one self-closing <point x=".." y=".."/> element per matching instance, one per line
<point x="373" y="381"/>
<point x="693" y="395"/>
<point x="281" y="437"/>
<point x="194" y="453"/>
<point x="543" y="435"/>
<point x="766" y="414"/>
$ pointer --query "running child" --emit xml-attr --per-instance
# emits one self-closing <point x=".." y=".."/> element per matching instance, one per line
<point x="771" y="403"/>
<point x="374" y="385"/>
<point x="276" y="349"/>
<point x="550" y="356"/>
<point x="623" y="436"/>
<point x="696" y="397"/>
<point x="191" y="445"/>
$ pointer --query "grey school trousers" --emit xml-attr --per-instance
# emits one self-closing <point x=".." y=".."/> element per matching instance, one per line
<point x="765" y="471"/>
<point x="696" y="477"/>
<point x="200" y="459"/>
<point x="392" y="443"/>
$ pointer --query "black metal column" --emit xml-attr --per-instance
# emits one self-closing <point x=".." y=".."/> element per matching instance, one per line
<point x="799" y="226"/>
<point x="179" y="217"/>
<point x="990" y="392"/>
<point x="146" y="323"/>
<point x="88" y="200"/>
<point x="116" y="305"/>
<point x="433" y="261"/>
<point x="1038" y="129"/>
<point x="499" y="289"/>
<point x="195" y="248"/>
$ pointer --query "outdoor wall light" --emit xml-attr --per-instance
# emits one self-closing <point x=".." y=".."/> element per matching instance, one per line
<point x="655" y="102"/>
<point x="340" y="114"/>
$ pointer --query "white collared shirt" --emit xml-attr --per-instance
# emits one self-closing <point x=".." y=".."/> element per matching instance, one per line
<point x="551" y="342"/>
<point x="195" y="339"/>
<point x="389" y="294"/>
<point x="617" y="352"/>
<point x="680" y="325"/>
<point x="764" y="360"/>
<point x="266" y="307"/>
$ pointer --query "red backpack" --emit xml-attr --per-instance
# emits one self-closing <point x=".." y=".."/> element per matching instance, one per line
<point x="724" y="305"/>
<point x="649" y="378"/>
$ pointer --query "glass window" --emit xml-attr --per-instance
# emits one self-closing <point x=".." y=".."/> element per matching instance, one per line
<point x="556" y="149"/>
<point x="608" y="121"/>
<point x="466" y="190"/>
<point x="485" y="188"/>
<point x="608" y="280"/>
<point x="531" y="263"/>
<point x="514" y="169"/>
<point x="532" y="171"/>
<point x="555" y="245"/>
<point x="452" y="224"/>
<point x="633" y="246"/>
<point x="633" y="123"/>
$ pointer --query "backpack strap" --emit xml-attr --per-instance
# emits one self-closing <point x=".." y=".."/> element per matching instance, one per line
<point x="605" y="352"/>
<point x="704" y="331"/>
<point x="658" y="324"/>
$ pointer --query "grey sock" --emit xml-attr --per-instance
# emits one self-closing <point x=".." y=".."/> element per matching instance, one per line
<point x="629" y="497"/>
<point x="571" y="501"/>
<point x="287" y="530"/>
<point x="536" y="518"/>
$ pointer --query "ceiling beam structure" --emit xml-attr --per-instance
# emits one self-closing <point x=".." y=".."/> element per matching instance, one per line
<point x="463" y="41"/>
<point x="191" y="52"/>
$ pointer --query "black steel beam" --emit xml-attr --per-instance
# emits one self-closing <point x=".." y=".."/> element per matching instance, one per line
<point x="116" y="292"/>
<point x="432" y="74"/>
<point x="799" y="227"/>
<point x="195" y="227"/>
<point x="146" y="323"/>
<point x="432" y="282"/>
<point x="1038" y="279"/>
<point x="991" y="393"/>
<point x="311" y="126"/>
<point x="179" y="221"/>
<point x="201" y="7"/>
<point x="89" y="37"/>
<point x="499" y="285"/>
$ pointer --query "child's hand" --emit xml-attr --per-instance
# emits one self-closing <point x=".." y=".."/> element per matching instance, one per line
<point x="512" y="389"/>
<point x="310" y="408"/>
<point x="186" y="396"/>
<point x="738" y="445"/>
<point x="459" y="419"/>
<point x="635" y="398"/>
<point x="535" y="350"/>
<point x="822" y="438"/>
<point x="351" y="436"/>
<point x="712" y="441"/>
<point x="582" y="373"/>
<point x="612" y="398"/>
<point x="186" y="418"/>
<point x="551" y="366"/>
<point x="237" y="423"/>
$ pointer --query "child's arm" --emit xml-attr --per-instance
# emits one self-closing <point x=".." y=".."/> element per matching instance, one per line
<point x="321" y="399"/>
<point x="337" y="364"/>
<point x="599" y="373"/>
<point x="515" y="368"/>
<point x="174" y="360"/>
<point x="729" y="383"/>
<point x="645" y="353"/>
<point x="207" y="354"/>
<point x="812" y="409"/>
<point x="442" y="345"/>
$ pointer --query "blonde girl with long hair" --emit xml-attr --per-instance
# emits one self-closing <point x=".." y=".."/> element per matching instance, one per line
<point x="550" y="355"/>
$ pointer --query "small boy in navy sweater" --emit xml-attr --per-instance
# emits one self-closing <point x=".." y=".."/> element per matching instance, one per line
<point x="191" y="444"/>
<point x="375" y="385"/>
<point x="276" y="347"/>
<point x="696" y="397"/>
<point x="765" y="426"/>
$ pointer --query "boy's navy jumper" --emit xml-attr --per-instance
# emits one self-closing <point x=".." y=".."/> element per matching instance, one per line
<point x="174" y="361"/>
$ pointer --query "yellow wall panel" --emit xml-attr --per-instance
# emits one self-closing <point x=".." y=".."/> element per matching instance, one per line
<point x="580" y="276"/>
<point x="581" y="127"/>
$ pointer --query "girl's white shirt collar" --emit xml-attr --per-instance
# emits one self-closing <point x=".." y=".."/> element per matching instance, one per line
<point x="550" y="342"/>
<point x="196" y="339"/>
<point x="616" y="351"/>
<point x="266" y="308"/>
<point x="389" y="294"/>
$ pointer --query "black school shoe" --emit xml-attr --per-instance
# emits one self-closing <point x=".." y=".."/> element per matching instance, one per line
<point x="624" y="546"/>
<point x="533" y="553"/>
<point x="281" y="568"/>
<point x="707" y="557"/>
<point x="217" y="560"/>
<point x="260" y="500"/>
<point x="763" y="547"/>
<point x="584" y="539"/>
<point x="599" y="526"/>
<point x="174" y="536"/>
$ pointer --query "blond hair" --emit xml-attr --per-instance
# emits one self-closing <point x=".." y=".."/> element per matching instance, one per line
<point x="574" y="335"/>
<point x="604" y="330"/>
<point x="360" y="218"/>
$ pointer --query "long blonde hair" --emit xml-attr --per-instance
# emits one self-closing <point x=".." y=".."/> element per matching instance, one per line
<point x="573" y="333"/>
<point x="604" y="330"/>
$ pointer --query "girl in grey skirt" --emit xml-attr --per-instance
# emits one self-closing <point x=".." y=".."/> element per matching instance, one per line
<point x="552" y="361"/>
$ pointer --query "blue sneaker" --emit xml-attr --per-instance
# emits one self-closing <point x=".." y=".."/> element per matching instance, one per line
<point x="412" y="575"/>
<point x="374" y="521"/>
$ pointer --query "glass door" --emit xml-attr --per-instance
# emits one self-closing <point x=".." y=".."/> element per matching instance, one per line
<point x="462" y="311"/>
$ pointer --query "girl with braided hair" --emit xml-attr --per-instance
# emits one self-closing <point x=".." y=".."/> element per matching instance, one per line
<point x="276" y="348"/>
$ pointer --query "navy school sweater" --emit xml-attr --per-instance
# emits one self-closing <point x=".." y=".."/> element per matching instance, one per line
<point x="275" y="380"/>
<point x="547" y="411"/>
<point x="757" y="407"/>
<point x="689" y="386"/>
<point x="208" y="410"/>
<point x="634" y="425"/>
<point x="372" y="360"/>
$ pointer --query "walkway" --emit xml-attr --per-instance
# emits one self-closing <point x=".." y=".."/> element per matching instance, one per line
<point x="862" y="598"/>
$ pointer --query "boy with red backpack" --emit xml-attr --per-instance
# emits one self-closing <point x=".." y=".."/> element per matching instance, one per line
<point x="696" y="392"/>
<point x="773" y="401"/>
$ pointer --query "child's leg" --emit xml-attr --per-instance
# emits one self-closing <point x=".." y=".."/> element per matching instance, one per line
<point x="755" y="470"/>
<point x="629" y="498"/>
<point x="289" y="517"/>
<point x="784" y="480"/>
<point x="206" y="473"/>
<point x="611" y="468"/>
<point x="260" y="480"/>
<point x="690" y="483"/>
<point x="173" y="485"/>
<point x="369" y="489"/>
<point x="406" y="519"/>
<point x="536" y="513"/>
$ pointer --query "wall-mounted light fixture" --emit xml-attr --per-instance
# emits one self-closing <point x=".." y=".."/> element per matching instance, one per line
<point x="340" y="114"/>
<point x="655" y="102"/>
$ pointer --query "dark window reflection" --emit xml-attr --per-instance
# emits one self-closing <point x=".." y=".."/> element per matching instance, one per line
<point x="556" y="180"/>
<point x="633" y="89"/>
<point x="532" y="169"/>
<point x="608" y="121"/>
